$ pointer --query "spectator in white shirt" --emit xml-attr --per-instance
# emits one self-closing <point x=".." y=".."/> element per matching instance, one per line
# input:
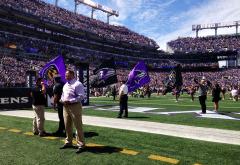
<point x="234" y="93"/>
<point x="123" y="99"/>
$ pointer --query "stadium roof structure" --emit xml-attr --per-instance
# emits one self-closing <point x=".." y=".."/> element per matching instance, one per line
<point x="96" y="6"/>
<point x="215" y="26"/>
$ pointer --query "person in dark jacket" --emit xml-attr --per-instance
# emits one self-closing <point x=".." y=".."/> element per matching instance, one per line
<point x="114" y="92"/>
<point x="57" y="93"/>
<point x="38" y="104"/>
<point x="216" y="91"/>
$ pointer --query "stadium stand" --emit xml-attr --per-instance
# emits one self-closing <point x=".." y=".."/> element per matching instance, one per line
<point x="11" y="65"/>
<point x="13" y="70"/>
<point x="60" y="16"/>
<point x="206" y="44"/>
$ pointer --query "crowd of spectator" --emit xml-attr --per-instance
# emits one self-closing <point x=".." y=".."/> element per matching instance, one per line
<point x="13" y="74"/>
<point x="48" y="48"/>
<point x="206" y="44"/>
<point x="50" y="13"/>
<point x="18" y="66"/>
<point x="13" y="70"/>
<point x="228" y="80"/>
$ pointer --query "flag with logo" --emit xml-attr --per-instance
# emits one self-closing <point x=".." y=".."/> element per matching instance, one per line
<point x="178" y="76"/>
<point x="53" y="68"/>
<point x="104" y="74"/>
<point x="174" y="79"/>
<point x="138" y="77"/>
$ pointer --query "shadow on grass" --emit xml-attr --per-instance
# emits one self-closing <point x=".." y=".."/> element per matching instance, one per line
<point x="102" y="105"/>
<point x="225" y="112"/>
<point x="90" y="134"/>
<point x="231" y="114"/>
<point x="86" y="134"/>
<point x="103" y="149"/>
<point x="137" y="117"/>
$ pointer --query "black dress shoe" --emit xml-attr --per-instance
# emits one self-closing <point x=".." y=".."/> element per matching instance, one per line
<point x="80" y="150"/>
<point x="44" y="134"/>
<point x="74" y="135"/>
<point x="119" y="117"/>
<point x="66" y="146"/>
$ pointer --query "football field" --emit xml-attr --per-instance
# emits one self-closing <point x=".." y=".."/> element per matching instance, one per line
<point x="164" y="109"/>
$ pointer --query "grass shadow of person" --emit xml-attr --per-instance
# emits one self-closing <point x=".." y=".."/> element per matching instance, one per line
<point x="86" y="134"/>
<point x="102" y="149"/>
<point x="90" y="134"/>
<point x="137" y="117"/>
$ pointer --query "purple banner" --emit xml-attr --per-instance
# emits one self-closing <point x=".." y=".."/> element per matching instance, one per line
<point x="53" y="68"/>
<point x="138" y="77"/>
<point x="104" y="74"/>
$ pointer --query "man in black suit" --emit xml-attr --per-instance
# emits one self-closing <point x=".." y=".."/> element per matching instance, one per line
<point x="114" y="92"/>
<point x="57" y="92"/>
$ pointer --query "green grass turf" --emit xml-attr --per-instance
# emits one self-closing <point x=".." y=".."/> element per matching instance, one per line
<point x="168" y="103"/>
<point x="17" y="148"/>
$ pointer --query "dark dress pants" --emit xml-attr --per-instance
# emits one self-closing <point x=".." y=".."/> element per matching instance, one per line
<point x="61" y="126"/>
<point x="202" y="100"/>
<point x="123" y="106"/>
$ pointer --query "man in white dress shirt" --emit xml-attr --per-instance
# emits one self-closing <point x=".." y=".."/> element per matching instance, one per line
<point x="123" y="100"/>
<point x="72" y="95"/>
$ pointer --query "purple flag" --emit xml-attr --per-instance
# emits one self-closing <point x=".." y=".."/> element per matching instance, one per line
<point x="138" y="77"/>
<point x="53" y="68"/>
<point x="104" y="74"/>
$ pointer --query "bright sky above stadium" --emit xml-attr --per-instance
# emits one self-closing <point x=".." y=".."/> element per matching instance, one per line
<point x="165" y="20"/>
